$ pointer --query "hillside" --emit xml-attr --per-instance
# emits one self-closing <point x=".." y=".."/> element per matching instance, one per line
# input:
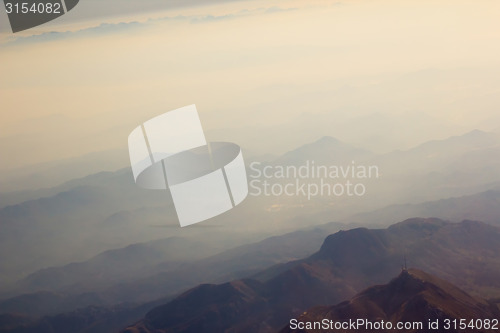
<point x="348" y="262"/>
<point x="414" y="298"/>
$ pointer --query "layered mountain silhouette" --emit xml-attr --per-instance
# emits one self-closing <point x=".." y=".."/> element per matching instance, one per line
<point x="136" y="274"/>
<point x="90" y="319"/>
<point x="326" y="150"/>
<point x="116" y="278"/>
<point x="107" y="210"/>
<point x="349" y="261"/>
<point x="142" y="269"/>
<point x="87" y="217"/>
<point x="414" y="298"/>
<point x="484" y="206"/>
<point x="133" y="262"/>
<point x="438" y="154"/>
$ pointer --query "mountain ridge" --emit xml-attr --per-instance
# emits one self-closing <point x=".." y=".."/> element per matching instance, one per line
<point x="413" y="298"/>
<point x="348" y="262"/>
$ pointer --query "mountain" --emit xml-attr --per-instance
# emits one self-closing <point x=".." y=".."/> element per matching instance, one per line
<point x="33" y="233"/>
<point x="44" y="303"/>
<point x="484" y="206"/>
<point x="118" y="266"/>
<point x="107" y="210"/>
<point x="438" y="154"/>
<point x="347" y="262"/>
<point x="141" y="273"/>
<point x="20" y="184"/>
<point x="457" y="166"/>
<point x="414" y="298"/>
<point x="101" y="317"/>
<point x="325" y="151"/>
<point x="98" y="213"/>
<point x="91" y="319"/>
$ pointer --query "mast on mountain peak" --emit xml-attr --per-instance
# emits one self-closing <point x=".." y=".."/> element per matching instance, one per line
<point x="404" y="267"/>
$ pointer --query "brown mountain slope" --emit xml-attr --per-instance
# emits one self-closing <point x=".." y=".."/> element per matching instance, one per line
<point x="349" y="261"/>
<point x="414" y="298"/>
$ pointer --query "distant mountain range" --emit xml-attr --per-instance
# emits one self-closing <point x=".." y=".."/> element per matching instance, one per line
<point x="141" y="272"/>
<point x="119" y="266"/>
<point x="348" y="262"/>
<point x="484" y="206"/>
<point x="98" y="274"/>
<point x="414" y="298"/>
<point x="95" y="218"/>
<point x="138" y="272"/>
<point x="325" y="151"/>
<point x="107" y="210"/>
<point x="19" y="183"/>
<point x="437" y="155"/>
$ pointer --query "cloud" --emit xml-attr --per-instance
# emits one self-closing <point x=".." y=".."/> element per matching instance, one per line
<point x="275" y="9"/>
<point x="119" y="27"/>
<point x="211" y="18"/>
<point x="103" y="28"/>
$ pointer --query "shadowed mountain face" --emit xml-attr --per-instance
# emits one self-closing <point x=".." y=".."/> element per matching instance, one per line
<point x="91" y="319"/>
<point x="349" y="261"/>
<point x="414" y="298"/>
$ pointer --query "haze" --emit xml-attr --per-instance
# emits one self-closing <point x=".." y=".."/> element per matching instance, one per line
<point x="267" y="76"/>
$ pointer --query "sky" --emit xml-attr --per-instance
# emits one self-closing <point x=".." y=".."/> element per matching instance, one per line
<point x="270" y="76"/>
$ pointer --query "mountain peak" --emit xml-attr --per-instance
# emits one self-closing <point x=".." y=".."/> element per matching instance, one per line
<point x="475" y="133"/>
<point x="347" y="263"/>
<point x="413" y="296"/>
<point x="413" y="286"/>
<point x="328" y="139"/>
<point x="346" y="247"/>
